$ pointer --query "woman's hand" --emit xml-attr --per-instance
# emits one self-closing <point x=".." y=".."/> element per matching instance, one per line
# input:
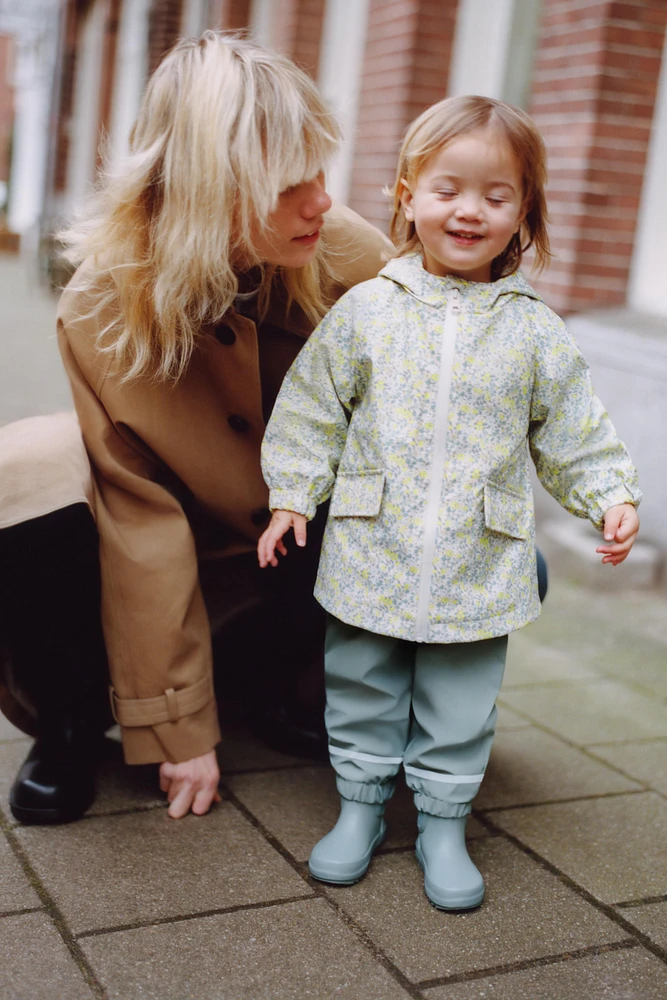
<point x="621" y="525"/>
<point x="271" y="540"/>
<point x="192" y="784"/>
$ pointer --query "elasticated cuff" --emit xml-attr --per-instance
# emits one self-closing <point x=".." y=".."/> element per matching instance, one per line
<point x="370" y="792"/>
<point x="438" y="807"/>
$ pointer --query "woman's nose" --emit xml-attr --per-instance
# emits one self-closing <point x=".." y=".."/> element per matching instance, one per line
<point x="316" y="201"/>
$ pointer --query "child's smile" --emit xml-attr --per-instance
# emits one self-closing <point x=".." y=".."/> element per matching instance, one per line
<point x="466" y="204"/>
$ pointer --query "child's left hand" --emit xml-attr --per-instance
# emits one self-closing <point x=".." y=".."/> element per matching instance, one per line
<point x="621" y="525"/>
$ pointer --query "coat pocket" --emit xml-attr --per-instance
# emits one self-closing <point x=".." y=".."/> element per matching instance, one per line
<point x="357" y="494"/>
<point x="507" y="512"/>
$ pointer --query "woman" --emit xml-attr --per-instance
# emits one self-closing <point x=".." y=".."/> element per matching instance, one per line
<point x="204" y="261"/>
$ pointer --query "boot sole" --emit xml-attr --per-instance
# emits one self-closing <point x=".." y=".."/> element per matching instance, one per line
<point x="453" y="900"/>
<point x="49" y="817"/>
<point x="324" y="874"/>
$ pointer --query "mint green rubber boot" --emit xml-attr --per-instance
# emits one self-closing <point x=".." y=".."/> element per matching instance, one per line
<point x="343" y="856"/>
<point x="451" y="880"/>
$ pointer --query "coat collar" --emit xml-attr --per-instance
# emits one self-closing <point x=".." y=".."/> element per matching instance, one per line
<point x="409" y="272"/>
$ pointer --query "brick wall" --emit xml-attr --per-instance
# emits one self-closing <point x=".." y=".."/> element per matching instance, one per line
<point x="230" y="15"/>
<point x="406" y="67"/>
<point x="164" y="27"/>
<point x="594" y="91"/>
<point x="298" y="31"/>
<point x="6" y="104"/>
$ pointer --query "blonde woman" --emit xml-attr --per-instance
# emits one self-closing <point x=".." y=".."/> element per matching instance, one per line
<point x="203" y="263"/>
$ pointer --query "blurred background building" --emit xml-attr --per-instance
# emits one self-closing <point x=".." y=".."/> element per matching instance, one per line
<point x="591" y="74"/>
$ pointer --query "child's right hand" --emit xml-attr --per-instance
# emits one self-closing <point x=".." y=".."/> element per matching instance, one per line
<point x="271" y="540"/>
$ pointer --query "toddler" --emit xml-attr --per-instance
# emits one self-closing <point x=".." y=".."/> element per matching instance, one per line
<point x="414" y="405"/>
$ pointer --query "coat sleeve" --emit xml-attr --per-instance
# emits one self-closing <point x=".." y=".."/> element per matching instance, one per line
<point x="306" y="434"/>
<point x="154" y="619"/>
<point x="578" y="457"/>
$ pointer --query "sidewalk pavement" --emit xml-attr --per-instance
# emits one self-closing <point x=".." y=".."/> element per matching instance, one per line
<point x="569" y="830"/>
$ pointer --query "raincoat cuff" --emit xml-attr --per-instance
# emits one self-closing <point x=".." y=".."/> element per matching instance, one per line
<point x="625" y="494"/>
<point x="288" y="500"/>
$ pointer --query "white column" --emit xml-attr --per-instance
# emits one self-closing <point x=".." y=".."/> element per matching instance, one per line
<point x="494" y="46"/>
<point x="647" y="290"/>
<point x="262" y="19"/>
<point x="195" y="18"/>
<point x="341" y="63"/>
<point x="86" y="111"/>
<point x="130" y="73"/>
<point x="35" y="63"/>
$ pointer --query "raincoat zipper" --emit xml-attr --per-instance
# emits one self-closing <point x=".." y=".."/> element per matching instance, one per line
<point x="437" y="463"/>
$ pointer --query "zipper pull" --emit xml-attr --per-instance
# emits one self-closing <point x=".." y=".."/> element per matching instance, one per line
<point x="456" y="301"/>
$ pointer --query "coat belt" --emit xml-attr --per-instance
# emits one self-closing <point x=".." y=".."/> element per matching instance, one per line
<point x="168" y="707"/>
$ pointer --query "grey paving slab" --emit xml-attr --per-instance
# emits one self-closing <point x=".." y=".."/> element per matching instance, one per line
<point x="15" y="890"/>
<point x="507" y="719"/>
<point x="300" y="806"/>
<point x="530" y="662"/>
<point x="614" y="847"/>
<point x="144" y="866"/>
<point x="529" y="766"/>
<point x="528" y="913"/>
<point x="646" y="762"/>
<point x="35" y="964"/>
<point x="651" y="918"/>
<point x="288" y="952"/>
<point x="12" y="755"/>
<point x="8" y="731"/>
<point x="631" y="974"/>
<point x="592" y="711"/>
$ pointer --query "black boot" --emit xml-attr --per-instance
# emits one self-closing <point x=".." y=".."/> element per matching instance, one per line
<point x="50" y="610"/>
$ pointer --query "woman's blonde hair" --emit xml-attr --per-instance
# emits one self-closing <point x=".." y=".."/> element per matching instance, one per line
<point x="223" y="128"/>
<point x="455" y="116"/>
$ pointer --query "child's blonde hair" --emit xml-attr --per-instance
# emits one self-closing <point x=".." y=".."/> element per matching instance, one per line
<point x="456" y="116"/>
<point x="223" y="128"/>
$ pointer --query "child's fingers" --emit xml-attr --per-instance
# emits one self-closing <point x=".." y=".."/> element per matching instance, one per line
<point x="300" y="530"/>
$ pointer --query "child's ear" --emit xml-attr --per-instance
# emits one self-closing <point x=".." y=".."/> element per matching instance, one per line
<point x="405" y="196"/>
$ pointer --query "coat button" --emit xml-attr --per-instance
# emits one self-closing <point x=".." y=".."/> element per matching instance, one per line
<point x="225" y="335"/>
<point x="260" y="516"/>
<point x="238" y="423"/>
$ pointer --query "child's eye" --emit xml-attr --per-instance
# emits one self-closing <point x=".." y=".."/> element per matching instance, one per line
<point x="447" y="194"/>
<point x="496" y="201"/>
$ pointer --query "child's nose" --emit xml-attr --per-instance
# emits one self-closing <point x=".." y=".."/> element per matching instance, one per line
<point x="469" y="207"/>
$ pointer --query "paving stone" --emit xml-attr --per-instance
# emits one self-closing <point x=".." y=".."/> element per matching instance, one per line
<point x="16" y="893"/>
<point x="529" y="766"/>
<point x="115" y="870"/>
<point x="8" y="731"/>
<point x="12" y="755"/>
<point x="528" y="913"/>
<point x="300" y="806"/>
<point x="507" y="719"/>
<point x="241" y="751"/>
<point x="651" y="918"/>
<point x="646" y="762"/>
<point x="614" y="847"/>
<point x="592" y="711"/>
<point x="35" y="964"/>
<point x="632" y="974"/>
<point x="530" y="662"/>
<point x="287" y="952"/>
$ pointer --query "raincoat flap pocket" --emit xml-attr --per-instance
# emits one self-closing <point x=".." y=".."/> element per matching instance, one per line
<point x="358" y="494"/>
<point x="507" y="512"/>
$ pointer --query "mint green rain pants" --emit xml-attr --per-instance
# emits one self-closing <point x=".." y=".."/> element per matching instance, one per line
<point x="427" y="706"/>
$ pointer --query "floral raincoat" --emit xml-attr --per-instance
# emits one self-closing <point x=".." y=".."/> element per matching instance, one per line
<point x="414" y="405"/>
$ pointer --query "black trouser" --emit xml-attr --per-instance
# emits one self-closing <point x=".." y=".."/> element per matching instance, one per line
<point x="50" y="625"/>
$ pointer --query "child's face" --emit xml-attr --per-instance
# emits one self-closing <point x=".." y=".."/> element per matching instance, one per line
<point x="466" y="204"/>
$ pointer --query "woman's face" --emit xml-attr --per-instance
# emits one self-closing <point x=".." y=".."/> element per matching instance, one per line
<point x="293" y="228"/>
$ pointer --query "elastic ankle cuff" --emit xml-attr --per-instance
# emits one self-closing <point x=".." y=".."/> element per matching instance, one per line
<point x="438" y="807"/>
<point x="373" y="793"/>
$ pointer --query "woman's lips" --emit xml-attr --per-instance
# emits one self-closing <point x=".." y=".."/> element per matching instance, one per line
<point x="309" y="239"/>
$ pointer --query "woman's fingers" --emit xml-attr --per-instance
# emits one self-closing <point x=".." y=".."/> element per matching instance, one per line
<point x="192" y="784"/>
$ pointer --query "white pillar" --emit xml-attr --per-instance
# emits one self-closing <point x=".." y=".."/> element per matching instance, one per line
<point x="84" y="134"/>
<point x="647" y="290"/>
<point x="341" y="63"/>
<point x="494" y="46"/>
<point x="35" y="63"/>
<point x="130" y="72"/>
<point x="262" y="19"/>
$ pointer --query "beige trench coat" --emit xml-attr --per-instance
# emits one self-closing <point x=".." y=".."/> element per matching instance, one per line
<point x="175" y="479"/>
